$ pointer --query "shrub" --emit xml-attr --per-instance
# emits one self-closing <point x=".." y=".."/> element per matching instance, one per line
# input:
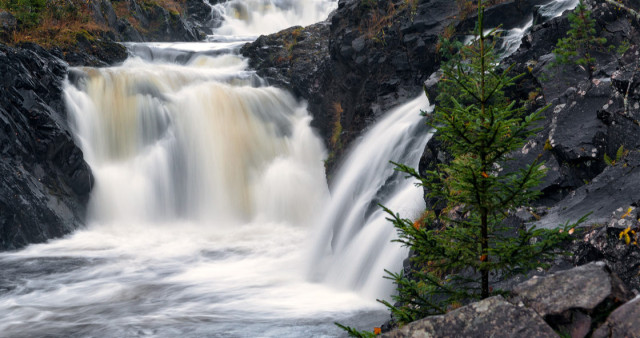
<point x="581" y="39"/>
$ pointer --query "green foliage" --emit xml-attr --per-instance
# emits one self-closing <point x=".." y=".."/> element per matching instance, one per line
<point x="27" y="12"/>
<point x="623" y="47"/>
<point x="620" y="153"/>
<point x="581" y="39"/>
<point x="456" y="249"/>
<point x="355" y="333"/>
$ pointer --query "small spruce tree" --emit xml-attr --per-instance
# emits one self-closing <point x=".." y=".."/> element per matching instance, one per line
<point x="580" y="41"/>
<point x="456" y="251"/>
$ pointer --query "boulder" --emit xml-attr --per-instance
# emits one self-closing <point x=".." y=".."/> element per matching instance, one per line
<point x="492" y="317"/>
<point x="623" y="322"/>
<point x="573" y="300"/>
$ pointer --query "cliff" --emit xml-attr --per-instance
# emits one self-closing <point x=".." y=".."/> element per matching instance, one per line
<point x="45" y="181"/>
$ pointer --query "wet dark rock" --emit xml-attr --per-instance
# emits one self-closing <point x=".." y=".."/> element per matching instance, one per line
<point x="357" y="68"/>
<point x="615" y="187"/>
<point x="587" y="118"/>
<point x="605" y="244"/>
<point x="153" y="23"/>
<point x="143" y="22"/>
<point x="492" y="317"/>
<point x="199" y="14"/>
<point x="45" y="183"/>
<point x="94" y="51"/>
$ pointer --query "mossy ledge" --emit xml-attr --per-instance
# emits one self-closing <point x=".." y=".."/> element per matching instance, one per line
<point x="89" y="32"/>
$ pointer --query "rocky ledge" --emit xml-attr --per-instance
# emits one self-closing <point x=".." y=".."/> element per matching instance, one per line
<point x="587" y="301"/>
<point x="45" y="182"/>
<point x="89" y="33"/>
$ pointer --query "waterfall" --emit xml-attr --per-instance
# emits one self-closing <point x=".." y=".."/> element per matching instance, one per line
<point x="211" y="214"/>
<point x="556" y="8"/>
<point x="251" y="18"/>
<point x="207" y="183"/>
<point x="195" y="142"/>
<point x="353" y="244"/>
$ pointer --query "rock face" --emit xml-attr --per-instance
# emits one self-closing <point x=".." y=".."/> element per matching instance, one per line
<point x="97" y="28"/>
<point x="147" y="21"/>
<point x="45" y="182"/>
<point x="587" y="118"/>
<point x="136" y="21"/>
<point x="368" y="57"/>
<point x="492" y="317"/>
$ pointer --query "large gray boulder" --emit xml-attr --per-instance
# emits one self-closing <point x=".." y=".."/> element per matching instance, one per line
<point x="573" y="300"/>
<point x="492" y="317"/>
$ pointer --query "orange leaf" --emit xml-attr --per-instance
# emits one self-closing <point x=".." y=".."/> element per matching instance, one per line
<point x="483" y="258"/>
<point x="571" y="231"/>
<point x="416" y="225"/>
<point x="484" y="174"/>
<point x="377" y="330"/>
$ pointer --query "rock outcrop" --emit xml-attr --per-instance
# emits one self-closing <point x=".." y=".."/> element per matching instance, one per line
<point x="90" y="33"/>
<point x="135" y="21"/>
<point x="587" y="300"/>
<point x="492" y="317"/>
<point x="590" y="115"/>
<point x="45" y="182"/>
<point x="587" y="120"/>
<point x="368" y="57"/>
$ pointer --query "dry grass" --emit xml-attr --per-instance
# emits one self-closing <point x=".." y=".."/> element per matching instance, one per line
<point x="337" y="125"/>
<point x="59" y="29"/>
<point x="173" y="6"/>
<point x="374" y="25"/>
<point x="63" y="20"/>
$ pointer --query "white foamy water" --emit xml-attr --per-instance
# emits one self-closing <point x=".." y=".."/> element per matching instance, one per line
<point x="206" y="189"/>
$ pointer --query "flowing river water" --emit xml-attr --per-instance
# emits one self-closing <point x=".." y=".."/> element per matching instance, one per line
<point x="211" y="215"/>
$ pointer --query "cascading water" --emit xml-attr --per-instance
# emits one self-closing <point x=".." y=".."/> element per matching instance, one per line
<point x="250" y="18"/>
<point x="354" y="240"/>
<point x="207" y="186"/>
